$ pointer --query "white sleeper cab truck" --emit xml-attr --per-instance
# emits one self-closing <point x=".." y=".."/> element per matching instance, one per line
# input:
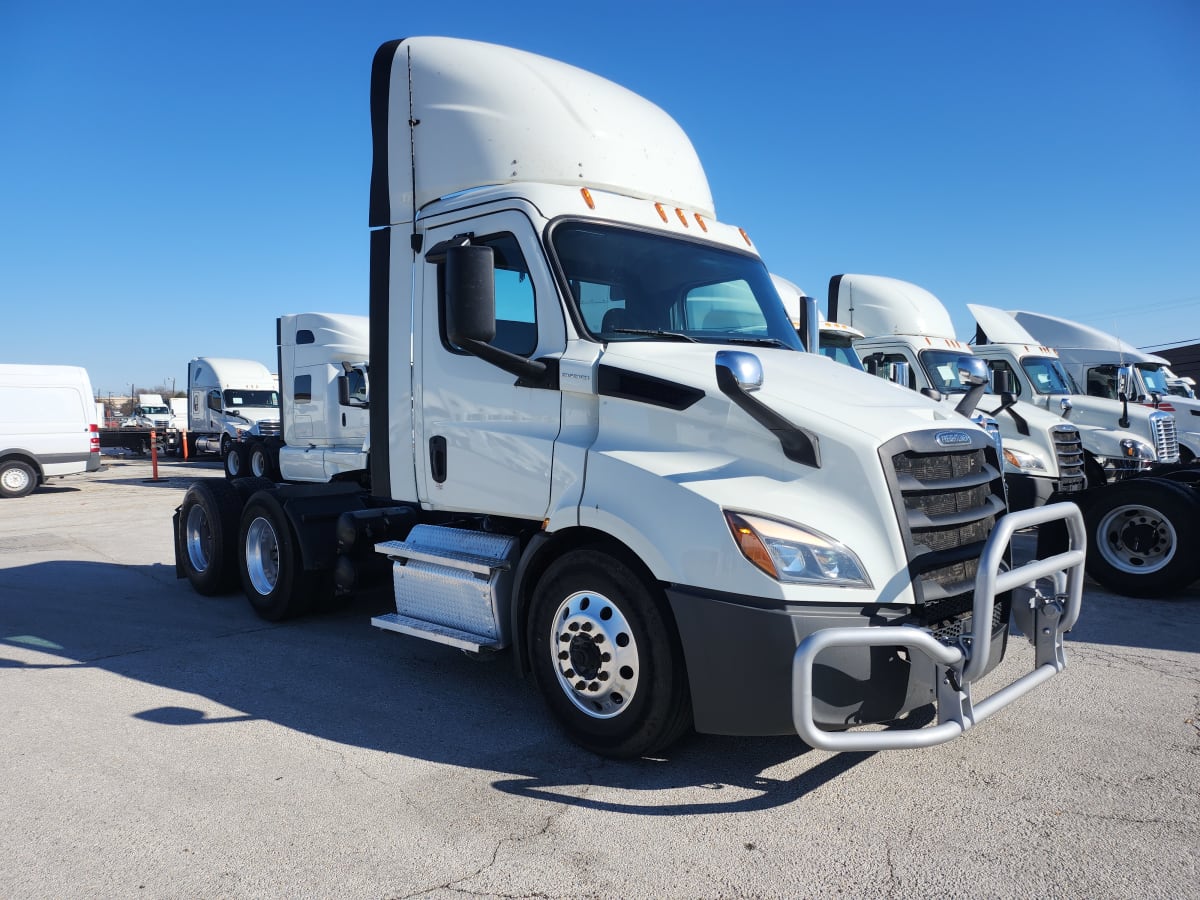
<point x="324" y="377"/>
<point x="598" y="445"/>
<point x="48" y="426"/>
<point x="907" y="325"/>
<point x="1105" y="366"/>
<point x="152" y="412"/>
<point x="225" y="398"/>
<point x="834" y="340"/>
<point x="1120" y="440"/>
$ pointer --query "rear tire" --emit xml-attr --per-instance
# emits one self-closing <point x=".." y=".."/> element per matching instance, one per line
<point x="606" y="656"/>
<point x="1142" y="537"/>
<point x="208" y="528"/>
<point x="269" y="561"/>
<point x="17" y="478"/>
<point x="262" y="462"/>
<point x="235" y="461"/>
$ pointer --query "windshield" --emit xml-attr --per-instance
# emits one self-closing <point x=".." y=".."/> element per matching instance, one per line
<point x="269" y="399"/>
<point x="156" y="411"/>
<point x="840" y="348"/>
<point x="1048" y="375"/>
<point x="942" y="368"/>
<point x="1155" y="378"/>
<point x="637" y="286"/>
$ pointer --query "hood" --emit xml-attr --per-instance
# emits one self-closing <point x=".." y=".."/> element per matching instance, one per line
<point x="809" y="390"/>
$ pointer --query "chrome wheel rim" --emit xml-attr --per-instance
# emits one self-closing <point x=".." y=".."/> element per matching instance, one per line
<point x="262" y="556"/>
<point x="595" y="655"/>
<point x="258" y="463"/>
<point x="198" y="533"/>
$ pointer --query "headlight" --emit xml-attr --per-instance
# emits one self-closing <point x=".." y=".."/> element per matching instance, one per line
<point x="793" y="554"/>
<point x="1026" y="462"/>
<point x="1132" y="449"/>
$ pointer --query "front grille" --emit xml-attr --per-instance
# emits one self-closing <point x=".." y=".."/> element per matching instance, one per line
<point x="269" y="428"/>
<point x="1069" y="449"/>
<point x="1166" y="437"/>
<point x="947" y="501"/>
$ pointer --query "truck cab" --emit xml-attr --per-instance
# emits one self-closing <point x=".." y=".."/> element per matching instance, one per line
<point x="907" y="325"/>
<point x="1119" y="439"/>
<point x="598" y="446"/>
<point x="226" y="397"/>
<point x="1113" y="375"/>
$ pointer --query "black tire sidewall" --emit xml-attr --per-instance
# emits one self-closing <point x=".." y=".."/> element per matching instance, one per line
<point x="653" y="716"/>
<point x="220" y="507"/>
<point x="290" y="596"/>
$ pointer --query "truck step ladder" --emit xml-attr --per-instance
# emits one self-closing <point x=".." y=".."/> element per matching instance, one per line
<point x="452" y="586"/>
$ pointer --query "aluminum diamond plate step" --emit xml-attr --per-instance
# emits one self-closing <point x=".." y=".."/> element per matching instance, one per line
<point x="432" y="632"/>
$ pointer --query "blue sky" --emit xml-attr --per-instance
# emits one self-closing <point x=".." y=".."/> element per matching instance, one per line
<point x="176" y="175"/>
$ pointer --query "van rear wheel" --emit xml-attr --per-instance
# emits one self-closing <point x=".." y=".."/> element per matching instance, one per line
<point x="17" y="478"/>
<point x="606" y="656"/>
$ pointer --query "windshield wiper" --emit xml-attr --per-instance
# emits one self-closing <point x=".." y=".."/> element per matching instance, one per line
<point x="670" y="335"/>
<point x="756" y="342"/>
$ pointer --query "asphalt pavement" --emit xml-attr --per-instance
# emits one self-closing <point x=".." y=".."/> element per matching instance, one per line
<point x="156" y="743"/>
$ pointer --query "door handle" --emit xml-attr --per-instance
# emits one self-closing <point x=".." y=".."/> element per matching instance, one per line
<point x="437" y="458"/>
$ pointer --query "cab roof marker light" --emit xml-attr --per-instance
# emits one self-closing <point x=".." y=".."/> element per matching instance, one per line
<point x="662" y="213"/>
<point x="745" y="237"/>
<point x="587" y="198"/>
<point x="682" y="216"/>
<point x="700" y="222"/>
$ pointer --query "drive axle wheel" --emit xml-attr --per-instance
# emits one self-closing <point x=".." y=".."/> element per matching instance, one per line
<point x="1142" y="536"/>
<point x="207" y="536"/>
<point x="606" y="656"/>
<point x="272" y="570"/>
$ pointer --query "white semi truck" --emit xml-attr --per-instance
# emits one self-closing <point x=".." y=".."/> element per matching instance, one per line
<point x="597" y="445"/>
<point x="906" y="324"/>
<point x="1107" y="367"/>
<point x="151" y="411"/>
<point x="225" y="398"/>
<point x="324" y="378"/>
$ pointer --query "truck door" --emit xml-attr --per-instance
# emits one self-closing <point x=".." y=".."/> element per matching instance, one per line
<point x="483" y="443"/>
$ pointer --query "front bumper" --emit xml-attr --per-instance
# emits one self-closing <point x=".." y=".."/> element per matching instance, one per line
<point x="757" y="669"/>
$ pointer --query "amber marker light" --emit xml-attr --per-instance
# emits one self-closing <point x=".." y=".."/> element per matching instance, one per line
<point x="745" y="237"/>
<point x="662" y="213"/>
<point x="700" y="222"/>
<point x="587" y="198"/>
<point x="750" y="544"/>
<point x="682" y="216"/>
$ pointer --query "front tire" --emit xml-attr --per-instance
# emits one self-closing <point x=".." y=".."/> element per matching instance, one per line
<point x="17" y="478"/>
<point x="208" y="528"/>
<point x="606" y="656"/>
<point x="269" y="561"/>
<point x="1142" y="537"/>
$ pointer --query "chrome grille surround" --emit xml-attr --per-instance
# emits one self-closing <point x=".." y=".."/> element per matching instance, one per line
<point x="1068" y="448"/>
<point x="1166" y="436"/>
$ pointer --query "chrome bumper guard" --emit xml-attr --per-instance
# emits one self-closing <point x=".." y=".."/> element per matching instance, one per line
<point x="1043" y="619"/>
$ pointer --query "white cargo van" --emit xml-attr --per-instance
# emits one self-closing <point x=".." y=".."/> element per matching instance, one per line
<point x="48" y="426"/>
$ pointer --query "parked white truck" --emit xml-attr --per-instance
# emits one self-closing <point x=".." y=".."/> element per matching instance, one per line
<point x="225" y="398"/>
<point x="597" y="443"/>
<point x="151" y="412"/>
<point x="906" y="324"/>
<point x="1107" y="367"/>
<point x="48" y="426"/>
<point x="324" y="376"/>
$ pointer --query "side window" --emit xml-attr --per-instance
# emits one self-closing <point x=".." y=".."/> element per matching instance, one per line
<point x="879" y="363"/>
<point x="302" y="389"/>
<point x="516" y="309"/>
<point x="1102" y="382"/>
<point x="214" y="400"/>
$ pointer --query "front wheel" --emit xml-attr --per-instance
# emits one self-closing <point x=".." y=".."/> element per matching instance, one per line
<point x="17" y="478"/>
<point x="606" y="656"/>
<point x="1142" y="537"/>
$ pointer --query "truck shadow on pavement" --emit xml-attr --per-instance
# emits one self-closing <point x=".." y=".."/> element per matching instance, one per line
<point x="335" y="677"/>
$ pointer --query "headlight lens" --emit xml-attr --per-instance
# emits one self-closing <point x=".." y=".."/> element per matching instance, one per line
<point x="1132" y="449"/>
<point x="794" y="554"/>
<point x="1026" y="462"/>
